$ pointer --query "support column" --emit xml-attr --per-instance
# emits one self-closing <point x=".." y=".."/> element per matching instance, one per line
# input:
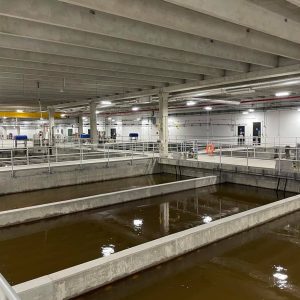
<point x="80" y="125"/>
<point x="93" y="123"/>
<point x="51" y="113"/>
<point x="163" y="124"/>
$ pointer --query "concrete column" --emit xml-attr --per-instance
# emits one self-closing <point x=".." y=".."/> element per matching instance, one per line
<point x="4" y="133"/>
<point x="163" y="124"/>
<point x="51" y="113"/>
<point x="80" y="125"/>
<point x="93" y="123"/>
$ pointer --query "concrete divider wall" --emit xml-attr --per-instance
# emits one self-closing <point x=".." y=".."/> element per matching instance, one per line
<point x="82" y="278"/>
<point x="35" y="177"/>
<point x="252" y="176"/>
<point x="33" y="213"/>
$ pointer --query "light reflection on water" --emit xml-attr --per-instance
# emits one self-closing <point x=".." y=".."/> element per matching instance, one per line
<point x="280" y="277"/>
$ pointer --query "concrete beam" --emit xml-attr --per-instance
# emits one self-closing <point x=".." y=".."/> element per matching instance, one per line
<point x="98" y="55"/>
<point x="212" y="83"/>
<point x="44" y="70"/>
<point x="43" y="32"/>
<point x="248" y="14"/>
<point x="156" y="27"/>
<point x="161" y="13"/>
<point x="31" y="56"/>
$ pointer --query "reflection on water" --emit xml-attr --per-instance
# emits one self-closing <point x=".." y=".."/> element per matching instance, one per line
<point x="55" y="244"/>
<point x="262" y="263"/>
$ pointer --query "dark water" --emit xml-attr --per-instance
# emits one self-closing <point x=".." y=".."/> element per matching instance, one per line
<point x="261" y="264"/>
<point x="32" y="250"/>
<point x="19" y="200"/>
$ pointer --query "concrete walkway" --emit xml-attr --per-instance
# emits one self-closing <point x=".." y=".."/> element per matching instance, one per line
<point x="70" y="163"/>
<point x="239" y="161"/>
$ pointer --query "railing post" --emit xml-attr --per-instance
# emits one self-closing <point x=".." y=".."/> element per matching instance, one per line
<point x="220" y="157"/>
<point x="247" y="158"/>
<point x="27" y="155"/>
<point x="49" y="164"/>
<point x="12" y="163"/>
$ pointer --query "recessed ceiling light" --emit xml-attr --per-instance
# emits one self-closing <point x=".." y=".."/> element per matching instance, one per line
<point x="208" y="108"/>
<point x="135" y="108"/>
<point x="190" y="103"/>
<point x="282" y="94"/>
<point x="106" y="102"/>
<point x="245" y="113"/>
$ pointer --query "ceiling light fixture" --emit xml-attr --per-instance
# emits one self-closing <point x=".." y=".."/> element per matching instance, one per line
<point x="20" y="110"/>
<point x="251" y="110"/>
<point x="245" y="113"/>
<point x="106" y="102"/>
<point x="208" y="108"/>
<point x="190" y="103"/>
<point x="282" y="94"/>
<point x="135" y="108"/>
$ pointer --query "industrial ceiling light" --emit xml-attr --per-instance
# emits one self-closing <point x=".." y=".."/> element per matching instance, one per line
<point x="190" y="103"/>
<point x="4" y="118"/>
<point x="62" y="115"/>
<point x="251" y="110"/>
<point x="106" y="102"/>
<point x="20" y="110"/>
<point x="282" y="94"/>
<point x="245" y="112"/>
<point x="208" y="108"/>
<point x="109" y="119"/>
<point x="135" y="108"/>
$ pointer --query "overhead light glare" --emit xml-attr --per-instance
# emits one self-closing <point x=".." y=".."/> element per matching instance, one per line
<point x="190" y="103"/>
<point x="135" y="108"/>
<point x="208" y="108"/>
<point x="282" y="94"/>
<point x="20" y="110"/>
<point x="251" y="110"/>
<point x="106" y="102"/>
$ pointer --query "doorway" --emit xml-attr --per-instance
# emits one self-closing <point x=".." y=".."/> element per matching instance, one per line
<point x="256" y="133"/>
<point x="241" y="135"/>
<point x="113" y="133"/>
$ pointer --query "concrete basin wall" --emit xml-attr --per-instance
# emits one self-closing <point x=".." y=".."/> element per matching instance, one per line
<point x="39" y="212"/>
<point x="82" y="278"/>
<point x="36" y="177"/>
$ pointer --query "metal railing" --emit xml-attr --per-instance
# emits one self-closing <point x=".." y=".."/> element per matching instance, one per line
<point x="246" y="152"/>
<point x="80" y="153"/>
<point x="6" y="291"/>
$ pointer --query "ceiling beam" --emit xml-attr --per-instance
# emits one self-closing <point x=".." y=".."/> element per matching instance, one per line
<point x="10" y="42"/>
<point x="169" y="16"/>
<point x="45" y="32"/>
<point x="161" y="24"/>
<point x="248" y="14"/>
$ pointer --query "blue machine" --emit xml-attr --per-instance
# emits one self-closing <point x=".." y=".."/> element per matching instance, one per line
<point x="133" y="136"/>
<point x="21" y="138"/>
<point x="85" y="136"/>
